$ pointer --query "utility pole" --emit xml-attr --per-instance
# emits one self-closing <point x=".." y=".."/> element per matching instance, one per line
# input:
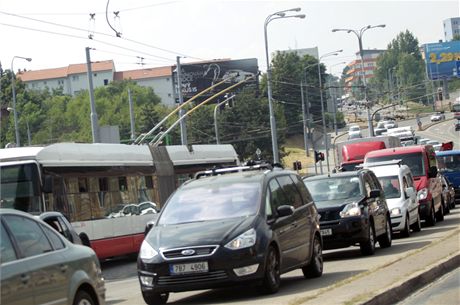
<point x="131" y="115"/>
<point x="183" y="125"/>
<point x="93" y="115"/>
<point x="305" y="139"/>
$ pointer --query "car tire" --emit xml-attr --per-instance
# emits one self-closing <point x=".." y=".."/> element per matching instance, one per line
<point x="446" y="207"/>
<point x="431" y="218"/>
<point x="417" y="226"/>
<point x="83" y="298"/>
<point x="155" y="298"/>
<point x="368" y="246"/>
<point x="272" y="275"/>
<point x="385" y="239"/>
<point x="315" y="267"/>
<point x="440" y="213"/>
<point x="406" y="231"/>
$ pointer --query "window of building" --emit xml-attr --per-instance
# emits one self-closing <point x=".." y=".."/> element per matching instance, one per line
<point x="44" y="83"/>
<point x="75" y="77"/>
<point x="106" y="82"/>
<point x="169" y="94"/>
<point x="167" y="79"/>
<point x="95" y="74"/>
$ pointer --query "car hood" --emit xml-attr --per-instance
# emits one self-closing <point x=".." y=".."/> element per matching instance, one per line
<point x="395" y="203"/>
<point x="215" y="232"/>
<point x="335" y="204"/>
<point x="420" y="182"/>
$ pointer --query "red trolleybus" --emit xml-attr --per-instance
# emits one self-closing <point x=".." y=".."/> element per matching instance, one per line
<point x="107" y="191"/>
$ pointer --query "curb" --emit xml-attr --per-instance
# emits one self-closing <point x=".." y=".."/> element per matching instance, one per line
<point x="407" y="287"/>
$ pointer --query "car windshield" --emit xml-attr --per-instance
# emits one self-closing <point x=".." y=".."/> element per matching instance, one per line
<point x="211" y="201"/>
<point x="449" y="163"/>
<point x="390" y="186"/>
<point x="333" y="188"/>
<point x="414" y="161"/>
<point x="354" y="128"/>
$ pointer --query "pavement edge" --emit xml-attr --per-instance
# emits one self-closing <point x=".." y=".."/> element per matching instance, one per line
<point x="403" y="289"/>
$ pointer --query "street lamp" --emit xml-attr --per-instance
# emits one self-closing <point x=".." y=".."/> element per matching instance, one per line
<point x="359" y="34"/>
<point x="216" y="127"/>
<point x="323" y="116"/>
<point x="334" y="100"/>
<point x="277" y="15"/>
<point x="10" y="109"/>
<point x="15" y="115"/>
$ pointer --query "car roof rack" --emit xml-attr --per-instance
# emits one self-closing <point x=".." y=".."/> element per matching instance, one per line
<point x="250" y="165"/>
<point x="383" y="163"/>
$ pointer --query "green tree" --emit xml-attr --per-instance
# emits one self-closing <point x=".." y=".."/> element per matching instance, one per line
<point x="403" y="62"/>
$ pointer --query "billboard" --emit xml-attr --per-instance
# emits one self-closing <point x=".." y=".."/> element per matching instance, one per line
<point x="197" y="77"/>
<point x="442" y="60"/>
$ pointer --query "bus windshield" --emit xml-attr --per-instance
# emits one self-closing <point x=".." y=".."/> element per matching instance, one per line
<point x="20" y="187"/>
<point x="414" y="161"/>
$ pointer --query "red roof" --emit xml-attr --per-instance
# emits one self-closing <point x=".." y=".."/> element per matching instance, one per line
<point x="143" y="73"/>
<point x="63" y="72"/>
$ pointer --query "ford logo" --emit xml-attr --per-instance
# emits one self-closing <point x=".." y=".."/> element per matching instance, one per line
<point x="188" y="252"/>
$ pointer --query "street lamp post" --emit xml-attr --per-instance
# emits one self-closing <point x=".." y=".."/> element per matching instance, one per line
<point x="277" y="15"/>
<point x="10" y="109"/>
<point x="333" y="96"/>
<point x="216" y="127"/>
<point x="13" y="89"/>
<point x="359" y="34"/>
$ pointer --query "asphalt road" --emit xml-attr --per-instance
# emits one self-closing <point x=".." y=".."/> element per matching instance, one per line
<point x="445" y="291"/>
<point x="123" y="286"/>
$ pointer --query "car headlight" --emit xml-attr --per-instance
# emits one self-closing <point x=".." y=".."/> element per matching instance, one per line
<point x="245" y="240"/>
<point x="147" y="251"/>
<point x="422" y="194"/>
<point x="395" y="212"/>
<point x="351" y="209"/>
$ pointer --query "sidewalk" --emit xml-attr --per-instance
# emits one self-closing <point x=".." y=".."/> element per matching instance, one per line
<point x="395" y="281"/>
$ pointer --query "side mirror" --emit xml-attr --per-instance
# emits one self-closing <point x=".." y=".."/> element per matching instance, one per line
<point x="285" y="210"/>
<point x="409" y="192"/>
<point x="375" y="194"/>
<point x="48" y="184"/>
<point x="432" y="172"/>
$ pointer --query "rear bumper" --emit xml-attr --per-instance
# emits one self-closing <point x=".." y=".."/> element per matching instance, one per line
<point x="345" y="232"/>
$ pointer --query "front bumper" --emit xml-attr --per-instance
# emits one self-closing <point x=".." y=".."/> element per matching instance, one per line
<point x="220" y="272"/>
<point x="425" y="206"/>
<point x="345" y="232"/>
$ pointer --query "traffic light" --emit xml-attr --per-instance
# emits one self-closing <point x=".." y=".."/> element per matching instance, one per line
<point x="439" y="94"/>
<point x="319" y="156"/>
<point x="297" y="165"/>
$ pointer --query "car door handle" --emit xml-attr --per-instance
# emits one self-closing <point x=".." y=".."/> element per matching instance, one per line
<point x="64" y="268"/>
<point x="25" y="278"/>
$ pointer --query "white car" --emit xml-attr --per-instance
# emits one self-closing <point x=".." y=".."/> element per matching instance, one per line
<point x="390" y="124"/>
<point x="436" y="145"/>
<point x="354" y="132"/>
<point x="438" y="116"/>
<point x="400" y="193"/>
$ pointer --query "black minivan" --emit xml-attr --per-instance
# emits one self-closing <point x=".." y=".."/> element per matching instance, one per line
<point x="353" y="210"/>
<point x="246" y="224"/>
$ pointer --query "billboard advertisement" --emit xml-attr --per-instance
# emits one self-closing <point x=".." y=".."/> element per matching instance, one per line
<point x="442" y="60"/>
<point x="197" y="77"/>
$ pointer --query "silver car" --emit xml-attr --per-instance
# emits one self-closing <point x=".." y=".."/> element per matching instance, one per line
<point x="40" y="266"/>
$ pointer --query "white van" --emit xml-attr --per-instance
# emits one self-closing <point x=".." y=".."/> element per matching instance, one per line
<point x="399" y="188"/>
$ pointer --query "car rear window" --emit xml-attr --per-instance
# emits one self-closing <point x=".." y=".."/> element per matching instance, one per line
<point x="414" y="161"/>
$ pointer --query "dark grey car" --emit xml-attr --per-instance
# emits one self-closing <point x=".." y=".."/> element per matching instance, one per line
<point x="353" y="210"/>
<point x="230" y="229"/>
<point x="40" y="266"/>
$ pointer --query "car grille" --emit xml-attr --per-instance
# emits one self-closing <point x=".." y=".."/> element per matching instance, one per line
<point x="329" y="215"/>
<point x="192" y="278"/>
<point x="198" y="251"/>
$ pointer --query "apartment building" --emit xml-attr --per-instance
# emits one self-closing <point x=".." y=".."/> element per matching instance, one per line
<point x="354" y="71"/>
<point x="451" y="28"/>
<point x="71" y="79"/>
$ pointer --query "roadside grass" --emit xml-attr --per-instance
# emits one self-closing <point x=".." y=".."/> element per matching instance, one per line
<point x="294" y="150"/>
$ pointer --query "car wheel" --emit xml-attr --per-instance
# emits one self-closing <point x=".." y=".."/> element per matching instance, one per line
<point x="272" y="277"/>
<point x="440" y="213"/>
<point x="431" y="218"/>
<point x="315" y="267"/>
<point x="368" y="246"/>
<point x="417" y="226"/>
<point x="83" y="298"/>
<point x="156" y="298"/>
<point x="406" y="231"/>
<point x="385" y="240"/>
<point x="446" y="205"/>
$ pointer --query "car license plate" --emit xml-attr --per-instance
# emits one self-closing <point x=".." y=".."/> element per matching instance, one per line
<point x="196" y="267"/>
<point x="326" y="232"/>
